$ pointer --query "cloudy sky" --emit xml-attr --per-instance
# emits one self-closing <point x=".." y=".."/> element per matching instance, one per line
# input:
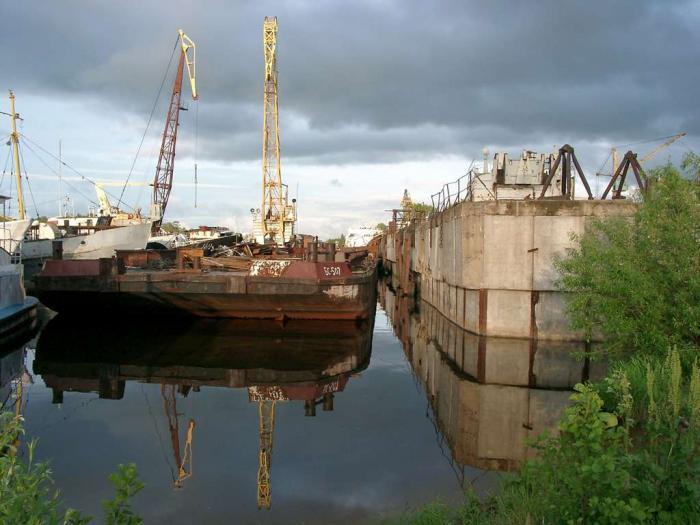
<point x="375" y="96"/>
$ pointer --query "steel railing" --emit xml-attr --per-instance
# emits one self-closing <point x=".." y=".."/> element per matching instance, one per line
<point x="454" y="192"/>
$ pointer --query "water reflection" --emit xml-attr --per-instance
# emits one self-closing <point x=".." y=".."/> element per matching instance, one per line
<point x="308" y="363"/>
<point x="201" y="406"/>
<point x="13" y="380"/>
<point x="488" y="396"/>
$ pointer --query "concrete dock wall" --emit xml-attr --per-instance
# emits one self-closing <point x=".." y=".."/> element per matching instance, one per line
<point x="488" y="266"/>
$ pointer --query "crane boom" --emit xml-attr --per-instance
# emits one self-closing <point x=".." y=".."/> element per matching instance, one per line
<point x="660" y="147"/>
<point x="163" y="181"/>
<point x="183" y="462"/>
<point x="272" y="209"/>
<point x="266" y="415"/>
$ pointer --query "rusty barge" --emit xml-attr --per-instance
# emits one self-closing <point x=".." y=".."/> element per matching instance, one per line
<point x="273" y="287"/>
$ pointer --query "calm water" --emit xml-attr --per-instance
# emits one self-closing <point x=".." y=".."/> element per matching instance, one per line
<point x="399" y="419"/>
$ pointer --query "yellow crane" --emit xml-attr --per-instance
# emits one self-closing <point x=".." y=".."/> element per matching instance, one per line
<point x="266" y="397"/>
<point x="277" y="218"/>
<point x="266" y="417"/>
<point x="649" y="154"/>
<point x="106" y="207"/>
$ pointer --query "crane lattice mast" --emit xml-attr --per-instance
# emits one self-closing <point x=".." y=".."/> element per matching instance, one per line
<point x="266" y="415"/>
<point x="163" y="181"/>
<point x="273" y="205"/>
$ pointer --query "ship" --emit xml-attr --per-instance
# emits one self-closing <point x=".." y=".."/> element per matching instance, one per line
<point x="76" y="237"/>
<point x="309" y="283"/>
<point x="17" y="311"/>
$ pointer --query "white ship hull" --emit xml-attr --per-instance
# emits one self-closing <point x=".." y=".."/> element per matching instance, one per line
<point x="17" y="311"/>
<point x="12" y="233"/>
<point x="103" y="243"/>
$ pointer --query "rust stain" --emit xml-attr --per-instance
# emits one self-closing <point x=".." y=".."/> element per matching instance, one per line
<point x="483" y="308"/>
<point x="534" y="299"/>
<point x="481" y="361"/>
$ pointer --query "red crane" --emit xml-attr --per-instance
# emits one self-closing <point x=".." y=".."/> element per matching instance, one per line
<point x="163" y="181"/>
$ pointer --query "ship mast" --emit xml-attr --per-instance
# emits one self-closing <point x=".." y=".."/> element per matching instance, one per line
<point x="14" y="138"/>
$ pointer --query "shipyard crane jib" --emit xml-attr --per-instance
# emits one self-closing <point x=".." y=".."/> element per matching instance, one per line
<point x="271" y="211"/>
<point x="163" y="181"/>
<point x="276" y="221"/>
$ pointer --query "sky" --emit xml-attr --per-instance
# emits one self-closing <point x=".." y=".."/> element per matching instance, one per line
<point x="374" y="96"/>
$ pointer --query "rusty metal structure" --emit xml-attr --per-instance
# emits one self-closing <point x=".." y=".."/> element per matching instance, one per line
<point x="183" y="461"/>
<point x="620" y="175"/>
<point x="163" y="180"/>
<point x="565" y="159"/>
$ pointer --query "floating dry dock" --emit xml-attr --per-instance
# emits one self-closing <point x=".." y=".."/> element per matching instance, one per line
<point x="284" y="288"/>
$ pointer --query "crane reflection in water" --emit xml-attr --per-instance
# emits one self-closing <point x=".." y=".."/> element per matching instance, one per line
<point x="303" y="361"/>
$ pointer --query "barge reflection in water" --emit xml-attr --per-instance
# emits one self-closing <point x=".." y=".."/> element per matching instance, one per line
<point x="296" y="361"/>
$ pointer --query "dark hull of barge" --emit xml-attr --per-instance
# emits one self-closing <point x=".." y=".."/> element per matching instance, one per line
<point x="270" y="289"/>
<point x="301" y="360"/>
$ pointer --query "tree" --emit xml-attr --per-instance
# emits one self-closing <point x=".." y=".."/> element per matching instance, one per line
<point x="172" y="227"/>
<point x="381" y="227"/>
<point x="339" y="241"/>
<point x="421" y="208"/>
<point x="637" y="282"/>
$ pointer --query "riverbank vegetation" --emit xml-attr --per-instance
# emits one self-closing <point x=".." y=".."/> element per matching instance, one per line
<point x="628" y="448"/>
<point x="27" y="494"/>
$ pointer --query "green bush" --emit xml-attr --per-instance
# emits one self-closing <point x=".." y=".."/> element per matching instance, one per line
<point x="27" y="494"/>
<point x="627" y="451"/>
<point x="637" y="282"/>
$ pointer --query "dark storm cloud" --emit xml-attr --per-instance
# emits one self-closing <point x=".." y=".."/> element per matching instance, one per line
<point x="386" y="80"/>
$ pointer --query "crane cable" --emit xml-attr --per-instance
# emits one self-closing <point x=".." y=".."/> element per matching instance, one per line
<point x="600" y="170"/>
<point x="4" y="169"/>
<point x="196" y="140"/>
<point x="26" y="177"/>
<point x="63" y="163"/>
<point x="72" y="187"/>
<point x="148" y="123"/>
<point x="645" y="141"/>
